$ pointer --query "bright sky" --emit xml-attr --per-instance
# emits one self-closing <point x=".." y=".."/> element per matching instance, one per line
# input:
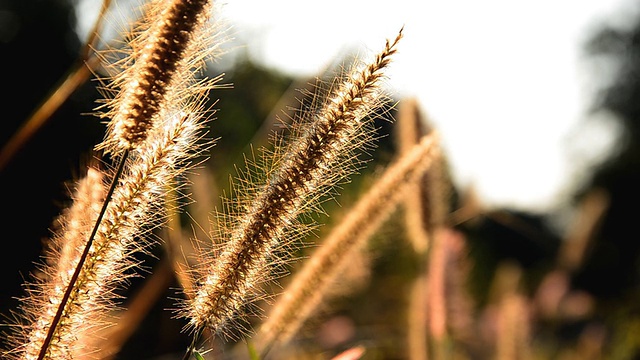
<point x="500" y="79"/>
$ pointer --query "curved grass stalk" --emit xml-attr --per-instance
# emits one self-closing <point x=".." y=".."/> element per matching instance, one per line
<point x="153" y="144"/>
<point x="320" y="153"/>
<point x="307" y="288"/>
<point x="76" y="76"/>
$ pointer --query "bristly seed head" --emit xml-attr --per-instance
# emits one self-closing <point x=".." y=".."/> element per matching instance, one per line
<point x="161" y="61"/>
<point x="321" y="152"/>
<point x="310" y="284"/>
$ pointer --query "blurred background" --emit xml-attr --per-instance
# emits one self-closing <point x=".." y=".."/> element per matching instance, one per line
<point x="536" y="103"/>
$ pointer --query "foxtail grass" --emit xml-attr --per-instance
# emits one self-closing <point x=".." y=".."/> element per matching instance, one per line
<point x="156" y="123"/>
<point x="449" y="305"/>
<point x="514" y="328"/>
<point x="168" y="50"/>
<point x="264" y="218"/>
<point x="411" y="126"/>
<point x="427" y="207"/>
<point x="156" y="108"/>
<point x="426" y="212"/>
<point x="309" y="285"/>
<point x="132" y="211"/>
<point x="512" y="314"/>
<point x="60" y="258"/>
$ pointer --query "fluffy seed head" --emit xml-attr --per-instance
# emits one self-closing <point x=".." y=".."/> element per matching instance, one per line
<point x="166" y="54"/>
<point x="310" y="284"/>
<point x="319" y="154"/>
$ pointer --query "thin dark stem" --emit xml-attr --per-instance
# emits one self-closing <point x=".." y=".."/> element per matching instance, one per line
<point x="83" y="257"/>
<point x="91" y="45"/>
<point x="266" y="349"/>
<point x="194" y="343"/>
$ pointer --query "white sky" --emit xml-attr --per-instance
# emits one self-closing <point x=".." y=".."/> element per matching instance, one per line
<point x="500" y="79"/>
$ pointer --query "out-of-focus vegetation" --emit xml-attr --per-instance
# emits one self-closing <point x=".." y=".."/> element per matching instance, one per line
<point x="580" y="303"/>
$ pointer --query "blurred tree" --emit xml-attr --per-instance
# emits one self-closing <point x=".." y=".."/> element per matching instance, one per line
<point x="612" y="271"/>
